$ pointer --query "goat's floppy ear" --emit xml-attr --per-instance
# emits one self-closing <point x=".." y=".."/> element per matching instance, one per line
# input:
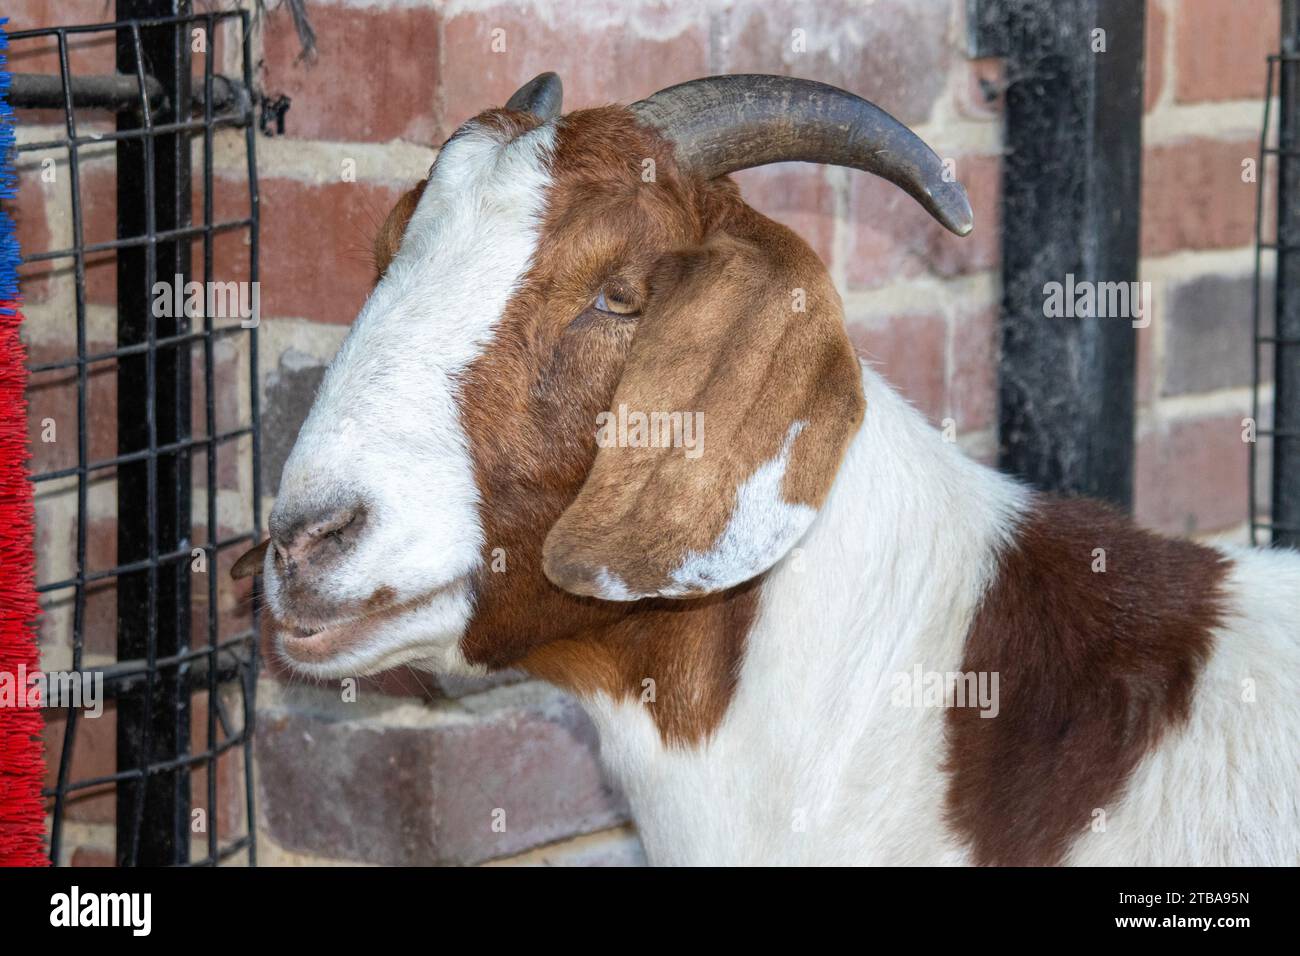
<point x="743" y="336"/>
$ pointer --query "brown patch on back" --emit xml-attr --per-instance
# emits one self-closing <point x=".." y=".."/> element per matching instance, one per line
<point x="1094" y="669"/>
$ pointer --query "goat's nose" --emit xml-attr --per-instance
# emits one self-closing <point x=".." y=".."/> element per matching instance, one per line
<point x="319" y="538"/>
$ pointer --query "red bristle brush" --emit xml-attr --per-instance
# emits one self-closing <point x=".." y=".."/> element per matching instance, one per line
<point x="22" y="766"/>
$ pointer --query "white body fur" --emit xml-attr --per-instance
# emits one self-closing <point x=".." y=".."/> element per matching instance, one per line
<point x="813" y="764"/>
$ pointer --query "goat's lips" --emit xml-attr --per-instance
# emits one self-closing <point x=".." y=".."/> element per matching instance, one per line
<point x="319" y="645"/>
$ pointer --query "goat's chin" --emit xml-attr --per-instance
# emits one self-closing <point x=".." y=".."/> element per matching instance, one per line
<point x="425" y="634"/>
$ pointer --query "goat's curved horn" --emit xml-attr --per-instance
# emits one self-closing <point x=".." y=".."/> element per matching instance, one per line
<point x="541" y="96"/>
<point x="721" y="124"/>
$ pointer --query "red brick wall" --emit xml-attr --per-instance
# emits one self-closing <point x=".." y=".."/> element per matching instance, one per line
<point x="1205" y="79"/>
<point x="413" y="771"/>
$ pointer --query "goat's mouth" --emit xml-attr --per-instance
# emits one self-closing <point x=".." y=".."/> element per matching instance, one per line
<point x="364" y="642"/>
<point x="321" y="644"/>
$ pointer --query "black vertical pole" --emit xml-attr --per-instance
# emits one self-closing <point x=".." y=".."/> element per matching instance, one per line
<point x="1070" y="208"/>
<point x="1286" y="372"/>
<point x="153" y="197"/>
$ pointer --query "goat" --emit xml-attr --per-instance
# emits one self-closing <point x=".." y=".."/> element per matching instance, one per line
<point x="827" y="638"/>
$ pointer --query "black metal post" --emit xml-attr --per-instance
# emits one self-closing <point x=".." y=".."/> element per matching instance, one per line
<point x="1070" y="207"/>
<point x="1286" y="371"/>
<point x="153" y="605"/>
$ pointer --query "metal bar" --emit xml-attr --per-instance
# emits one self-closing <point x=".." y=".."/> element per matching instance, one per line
<point x="210" y="418"/>
<point x="127" y="677"/>
<point x="227" y="852"/>
<point x="143" y="455"/>
<point x="1286" y="353"/>
<point x="115" y="92"/>
<point x="1070" y="180"/>
<point x="140" y="565"/>
<point x="249" y="681"/>
<point x="104" y="27"/>
<point x="79" y="606"/>
<point x="187" y="126"/>
<point x="154" y="689"/>
<point x="1252" y="468"/>
<point x="156" y="770"/>
<point x="137" y="242"/>
<point x="164" y="342"/>
<point x="153" y="727"/>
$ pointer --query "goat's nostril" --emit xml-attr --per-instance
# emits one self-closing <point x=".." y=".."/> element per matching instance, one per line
<point x="334" y="524"/>
<point x="305" y="541"/>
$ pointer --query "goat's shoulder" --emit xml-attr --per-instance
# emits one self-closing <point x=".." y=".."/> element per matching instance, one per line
<point x="1098" y="631"/>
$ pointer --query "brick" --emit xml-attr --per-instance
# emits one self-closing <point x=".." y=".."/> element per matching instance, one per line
<point x="650" y="45"/>
<point x="402" y="795"/>
<point x="796" y="195"/>
<point x="893" y="52"/>
<point x="229" y="395"/>
<point x="87" y="52"/>
<point x="100" y="627"/>
<point x="230" y="794"/>
<point x="32" y="229"/>
<point x="1220" y="48"/>
<point x="94" y="754"/>
<point x="290" y="390"/>
<point x="1157" y="27"/>
<point x="1207" y="334"/>
<point x="316" y="238"/>
<point x="53" y="395"/>
<point x="1145" y="386"/>
<point x="892" y="237"/>
<point x="100" y="624"/>
<point x="973" y="388"/>
<point x="234" y="598"/>
<point x="374" y="79"/>
<point x="230" y="203"/>
<point x="93" y="856"/>
<point x="1193" y="196"/>
<point x="410" y="682"/>
<point x="1191" y="475"/>
<point x="910" y="352"/>
<point x="619" y="847"/>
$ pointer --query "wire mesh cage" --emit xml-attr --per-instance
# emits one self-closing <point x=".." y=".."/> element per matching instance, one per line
<point x="142" y="327"/>
<point x="1275" y="415"/>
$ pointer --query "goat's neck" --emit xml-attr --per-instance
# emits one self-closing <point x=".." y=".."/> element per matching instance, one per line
<point x="885" y="580"/>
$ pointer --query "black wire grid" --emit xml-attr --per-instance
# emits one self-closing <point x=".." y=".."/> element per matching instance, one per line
<point x="1280" y="521"/>
<point x="160" y="109"/>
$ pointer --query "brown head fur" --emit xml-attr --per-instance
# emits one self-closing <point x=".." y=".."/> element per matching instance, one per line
<point x="716" y="331"/>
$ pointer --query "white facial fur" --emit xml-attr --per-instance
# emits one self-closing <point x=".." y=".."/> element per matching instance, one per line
<point x="385" y="428"/>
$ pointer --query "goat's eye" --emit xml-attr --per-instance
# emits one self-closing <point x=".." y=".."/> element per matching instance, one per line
<point x="616" y="301"/>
